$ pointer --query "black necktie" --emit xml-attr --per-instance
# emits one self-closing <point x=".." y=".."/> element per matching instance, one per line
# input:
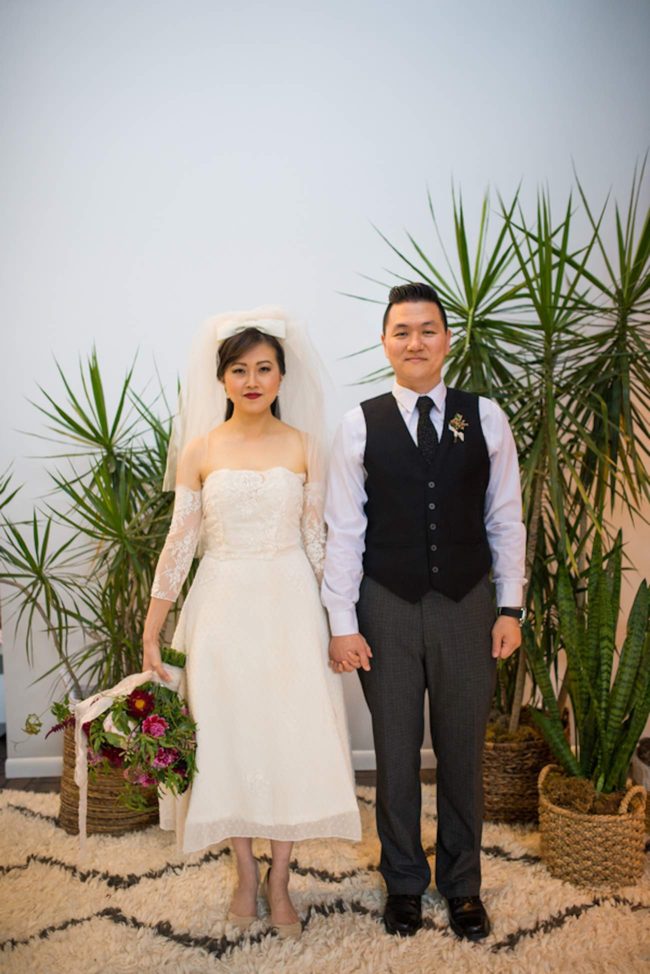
<point x="427" y="436"/>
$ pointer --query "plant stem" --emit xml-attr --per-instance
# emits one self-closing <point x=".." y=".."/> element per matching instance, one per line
<point x="531" y="547"/>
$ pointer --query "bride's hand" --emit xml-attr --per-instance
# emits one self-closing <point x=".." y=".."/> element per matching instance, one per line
<point x="151" y="658"/>
<point x="349" y="653"/>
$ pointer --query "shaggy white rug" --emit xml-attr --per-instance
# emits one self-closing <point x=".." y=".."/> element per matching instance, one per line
<point x="137" y="906"/>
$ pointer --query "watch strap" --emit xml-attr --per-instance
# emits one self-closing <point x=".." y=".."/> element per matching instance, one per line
<point x="519" y="614"/>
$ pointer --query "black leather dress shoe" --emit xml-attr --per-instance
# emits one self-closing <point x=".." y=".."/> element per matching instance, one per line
<point x="403" y="914"/>
<point x="467" y="917"/>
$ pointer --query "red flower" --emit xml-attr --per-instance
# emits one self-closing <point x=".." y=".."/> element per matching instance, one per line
<point x="139" y="703"/>
<point x="114" y="755"/>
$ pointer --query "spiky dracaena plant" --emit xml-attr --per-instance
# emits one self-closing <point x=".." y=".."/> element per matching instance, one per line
<point x="90" y="592"/>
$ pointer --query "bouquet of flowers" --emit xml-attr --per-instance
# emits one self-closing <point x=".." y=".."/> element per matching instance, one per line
<point x="147" y="732"/>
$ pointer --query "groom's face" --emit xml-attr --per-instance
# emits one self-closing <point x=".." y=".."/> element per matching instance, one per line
<point x="416" y="343"/>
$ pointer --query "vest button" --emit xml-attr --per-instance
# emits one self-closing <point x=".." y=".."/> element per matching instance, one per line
<point x="434" y="547"/>
<point x="432" y="507"/>
<point x="432" y="527"/>
<point x="432" y="483"/>
<point x="434" y="569"/>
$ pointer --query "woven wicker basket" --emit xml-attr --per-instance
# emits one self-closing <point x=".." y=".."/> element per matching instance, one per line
<point x="105" y="812"/>
<point x="593" y="850"/>
<point x="510" y="773"/>
<point x="641" y="776"/>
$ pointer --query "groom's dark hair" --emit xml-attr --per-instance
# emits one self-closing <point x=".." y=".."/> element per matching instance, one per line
<point x="413" y="291"/>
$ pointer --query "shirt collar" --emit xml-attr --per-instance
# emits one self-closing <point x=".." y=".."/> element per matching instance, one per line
<point x="407" y="398"/>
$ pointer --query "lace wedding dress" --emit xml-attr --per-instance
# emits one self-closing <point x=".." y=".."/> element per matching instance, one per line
<point x="272" y="745"/>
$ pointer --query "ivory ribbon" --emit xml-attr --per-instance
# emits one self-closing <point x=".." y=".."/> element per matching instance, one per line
<point x="86" y="710"/>
<point x="268" y="326"/>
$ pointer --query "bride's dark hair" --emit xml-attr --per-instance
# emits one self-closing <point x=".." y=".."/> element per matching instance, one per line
<point x="237" y="345"/>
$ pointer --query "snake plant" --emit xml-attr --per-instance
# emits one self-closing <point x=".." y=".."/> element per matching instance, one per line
<point x="609" y="690"/>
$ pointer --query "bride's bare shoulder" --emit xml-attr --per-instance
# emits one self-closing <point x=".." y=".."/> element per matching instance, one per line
<point x="297" y="438"/>
<point x="290" y="431"/>
<point x="295" y="445"/>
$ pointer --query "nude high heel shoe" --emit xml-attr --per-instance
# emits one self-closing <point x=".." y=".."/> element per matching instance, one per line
<point x="242" y="923"/>
<point x="286" y="931"/>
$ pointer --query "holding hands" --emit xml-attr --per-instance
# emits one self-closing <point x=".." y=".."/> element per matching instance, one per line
<point x="348" y="653"/>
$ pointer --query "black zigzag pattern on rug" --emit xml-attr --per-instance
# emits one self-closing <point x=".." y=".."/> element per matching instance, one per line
<point x="559" y="919"/>
<point x="30" y="813"/>
<point x="221" y="946"/>
<point x="114" y="880"/>
<point x="118" y="881"/>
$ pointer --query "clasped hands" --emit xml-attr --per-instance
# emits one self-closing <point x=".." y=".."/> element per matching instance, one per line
<point x="348" y="653"/>
<point x="352" y="652"/>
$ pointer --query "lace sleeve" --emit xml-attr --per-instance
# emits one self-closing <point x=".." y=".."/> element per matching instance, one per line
<point x="178" y="551"/>
<point x="312" y="527"/>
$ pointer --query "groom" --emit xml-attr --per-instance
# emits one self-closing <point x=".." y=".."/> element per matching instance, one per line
<point x="423" y="500"/>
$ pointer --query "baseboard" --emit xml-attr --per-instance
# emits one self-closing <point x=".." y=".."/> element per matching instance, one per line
<point x="33" y="767"/>
<point x="51" y="767"/>
<point x="365" y="760"/>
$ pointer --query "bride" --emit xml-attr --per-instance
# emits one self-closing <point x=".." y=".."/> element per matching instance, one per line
<point x="272" y="746"/>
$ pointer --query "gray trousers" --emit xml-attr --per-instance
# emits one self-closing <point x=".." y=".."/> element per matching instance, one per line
<point x="443" y="647"/>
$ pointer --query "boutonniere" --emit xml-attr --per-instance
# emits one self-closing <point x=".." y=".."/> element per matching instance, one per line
<point x="457" y="425"/>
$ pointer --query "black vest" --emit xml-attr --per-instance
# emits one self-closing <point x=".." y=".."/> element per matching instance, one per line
<point x="425" y="526"/>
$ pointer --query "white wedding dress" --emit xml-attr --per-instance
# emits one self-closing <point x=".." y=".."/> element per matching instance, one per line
<point x="272" y="744"/>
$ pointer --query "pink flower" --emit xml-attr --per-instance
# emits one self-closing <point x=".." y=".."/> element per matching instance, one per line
<point x="144" y="779"/>
<point x="154" y="726"/>
<point x="165" y="757"/>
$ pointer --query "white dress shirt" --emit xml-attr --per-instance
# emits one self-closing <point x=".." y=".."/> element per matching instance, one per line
<point x="346" y="497"/>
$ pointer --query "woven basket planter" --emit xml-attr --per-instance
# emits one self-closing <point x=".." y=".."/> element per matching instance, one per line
<point x="641" y="776"/>
<point x="593" y="850"/>
<point x="510" y="773"/>
<point x="105" y="812"/>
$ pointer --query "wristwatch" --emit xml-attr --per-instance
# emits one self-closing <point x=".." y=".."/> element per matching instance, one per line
<point x="518" y="614"/>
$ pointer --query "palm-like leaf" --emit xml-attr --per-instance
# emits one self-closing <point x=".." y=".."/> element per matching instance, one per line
<point x="109" y="502"/>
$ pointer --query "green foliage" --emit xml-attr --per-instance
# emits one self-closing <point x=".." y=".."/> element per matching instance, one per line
<point x="61" y="710"/>
<point x="90" y="591"/>
<point x="609" y="716"/>
<point x="173" y="657"/>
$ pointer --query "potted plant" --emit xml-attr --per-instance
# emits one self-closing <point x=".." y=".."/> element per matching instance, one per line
<point x="90" y="592"/>
<point x="592" y="820"/>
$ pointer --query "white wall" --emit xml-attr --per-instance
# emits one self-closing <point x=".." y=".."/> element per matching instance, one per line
<point x="165" y="160"/>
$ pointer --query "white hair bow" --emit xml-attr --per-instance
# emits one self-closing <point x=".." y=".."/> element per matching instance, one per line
<point x="268" y="326"/>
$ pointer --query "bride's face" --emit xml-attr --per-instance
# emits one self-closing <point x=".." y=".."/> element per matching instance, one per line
<point x="253" y="381"/>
